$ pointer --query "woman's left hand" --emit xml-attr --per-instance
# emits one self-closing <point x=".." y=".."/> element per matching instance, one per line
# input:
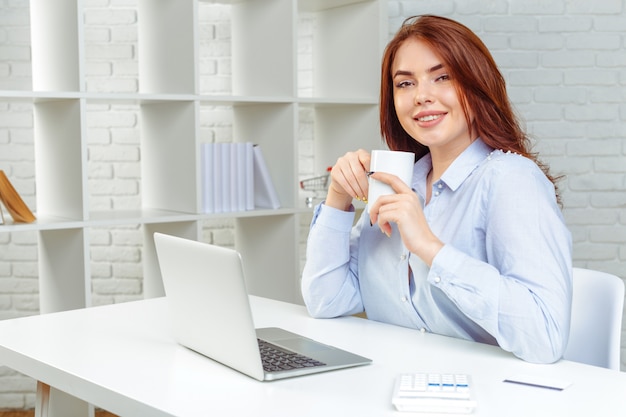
<point x="404" y="209"/>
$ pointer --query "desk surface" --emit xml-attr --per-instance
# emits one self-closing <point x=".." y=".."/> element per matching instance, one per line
<point x="123" y="359"/>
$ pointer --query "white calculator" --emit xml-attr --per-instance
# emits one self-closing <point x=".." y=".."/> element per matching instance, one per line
<point x="434" y="393"/>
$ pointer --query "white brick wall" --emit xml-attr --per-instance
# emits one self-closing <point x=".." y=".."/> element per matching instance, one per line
<point x="564" y="61"/>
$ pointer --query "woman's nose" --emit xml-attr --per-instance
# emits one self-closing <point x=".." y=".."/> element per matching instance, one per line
<point x="422" y="95"/>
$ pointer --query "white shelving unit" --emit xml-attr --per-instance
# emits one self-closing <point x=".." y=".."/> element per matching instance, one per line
<point x="349" y="36"/>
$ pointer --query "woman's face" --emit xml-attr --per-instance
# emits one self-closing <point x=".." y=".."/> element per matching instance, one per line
<point x="426" y="101"/>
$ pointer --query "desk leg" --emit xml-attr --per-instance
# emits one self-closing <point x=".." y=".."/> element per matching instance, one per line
<point x="43" y="400"/>
<point x="51" y="402"/>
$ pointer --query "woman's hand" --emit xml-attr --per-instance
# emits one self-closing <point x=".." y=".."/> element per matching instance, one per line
<point x="348" y="180"/>
<point x="404" y="209"/>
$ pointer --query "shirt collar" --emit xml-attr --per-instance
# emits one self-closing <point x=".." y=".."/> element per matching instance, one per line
<point x="457" y="172"/>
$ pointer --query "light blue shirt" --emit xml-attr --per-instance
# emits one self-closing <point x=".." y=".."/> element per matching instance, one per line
<point x="504" y="275"/>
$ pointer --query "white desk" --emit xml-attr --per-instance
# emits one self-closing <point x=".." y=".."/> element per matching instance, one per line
<point x="123" y="359"/>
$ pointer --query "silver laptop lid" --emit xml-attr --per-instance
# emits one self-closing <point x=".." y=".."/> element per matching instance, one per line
<point x="208" y="301"/>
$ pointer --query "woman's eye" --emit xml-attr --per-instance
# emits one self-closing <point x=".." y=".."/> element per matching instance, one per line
<point x="403" y="84"/>
<point x="444" y="77"/>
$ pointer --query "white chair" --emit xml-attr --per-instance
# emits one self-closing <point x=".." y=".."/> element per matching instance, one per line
<point x="596" y="327"/>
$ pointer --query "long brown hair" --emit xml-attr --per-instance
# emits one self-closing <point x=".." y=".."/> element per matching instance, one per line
<point x="480" y="87"/>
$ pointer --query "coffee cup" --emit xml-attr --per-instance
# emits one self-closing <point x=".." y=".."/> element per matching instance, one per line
<point x="398" y="163"/>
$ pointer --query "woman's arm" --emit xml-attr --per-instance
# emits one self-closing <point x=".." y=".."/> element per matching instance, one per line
<point x="329" y="279"/>
<point x="522" y="294"/>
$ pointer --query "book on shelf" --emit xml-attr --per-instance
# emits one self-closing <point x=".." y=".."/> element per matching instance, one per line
<point x="235" y="178"/>
<point x="14" y="204"/>
<point x="265" y="195"/>
<point x="225" y="176"/>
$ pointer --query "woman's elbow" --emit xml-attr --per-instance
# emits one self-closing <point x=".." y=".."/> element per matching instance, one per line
<point x="544" y="350"/>
<point x="314" y="308"/>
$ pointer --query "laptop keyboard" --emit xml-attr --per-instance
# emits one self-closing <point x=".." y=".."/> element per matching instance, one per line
<point x="277" y="359"/>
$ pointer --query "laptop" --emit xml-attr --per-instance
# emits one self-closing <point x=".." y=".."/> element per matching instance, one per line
<point x="210" y="313"/>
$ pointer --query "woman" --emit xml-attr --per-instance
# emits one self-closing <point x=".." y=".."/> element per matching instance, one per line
<point x="477" y="248"/>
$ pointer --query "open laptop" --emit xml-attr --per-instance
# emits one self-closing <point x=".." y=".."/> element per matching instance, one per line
<point x="210" y="313"/>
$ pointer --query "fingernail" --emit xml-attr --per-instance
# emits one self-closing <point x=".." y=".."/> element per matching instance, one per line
<point x="370" y="173"/>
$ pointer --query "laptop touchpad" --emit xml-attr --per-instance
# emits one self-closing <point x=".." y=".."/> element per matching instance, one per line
<point x="302" y="345"/>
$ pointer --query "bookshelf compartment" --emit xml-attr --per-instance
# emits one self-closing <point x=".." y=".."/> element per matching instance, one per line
<point x="343" y="128"/>
<point x="346" y="47"/>
<point x="273" y="128"/>
<point x="167" y="45"/>
<point x="17" y="148"/>
<point x="59" y="156"/>
<point x="270" y="256"/>
<point x="214" y="49"/>
<point x="110" y="44"/>
<point x="153" y="283"/>
<point x="64" y="276"/>
<point x="170" y="160"/>
<point x="115" y="263"/>
<point x="263" y="45"/>
<point x="113" y="156"/>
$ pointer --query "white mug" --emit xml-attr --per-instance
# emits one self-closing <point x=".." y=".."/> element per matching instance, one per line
<point x="393" y="162"/>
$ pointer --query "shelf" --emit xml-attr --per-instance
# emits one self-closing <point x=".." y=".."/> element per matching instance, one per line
<point x="150" y="216"/>
<point x="32" y="96"/>
<point x="338" y="101"/>
<point x="145" y="98"/>
<point x="42" y="223"/>
<point x="137" y="217"/>
<point x="321" y="5"/>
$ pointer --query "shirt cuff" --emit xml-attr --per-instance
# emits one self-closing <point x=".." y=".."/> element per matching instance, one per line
<point x="447" y="264"/>
<point x="333" y="218"/>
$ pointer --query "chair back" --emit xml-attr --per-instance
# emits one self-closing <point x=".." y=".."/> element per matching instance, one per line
<point x="596" y="326"/>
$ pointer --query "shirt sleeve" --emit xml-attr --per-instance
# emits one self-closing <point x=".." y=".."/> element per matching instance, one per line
<point x="522" y="294"/>
<point x="329" y="279"/>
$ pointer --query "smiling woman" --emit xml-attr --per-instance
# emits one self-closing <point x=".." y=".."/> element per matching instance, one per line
<point x="478" y="232"/>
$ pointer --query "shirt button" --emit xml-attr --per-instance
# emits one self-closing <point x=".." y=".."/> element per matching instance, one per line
<point x="423" y="330"/>
<point x="440" y="186"/>
<point x="404" y="299"/>
<point x="437" y="280"/>
<point x="437" y="193"/>
<point x="403" y="257"/>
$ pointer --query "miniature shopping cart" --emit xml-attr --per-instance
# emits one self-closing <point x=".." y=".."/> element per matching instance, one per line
<point x="316" y="185"/>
